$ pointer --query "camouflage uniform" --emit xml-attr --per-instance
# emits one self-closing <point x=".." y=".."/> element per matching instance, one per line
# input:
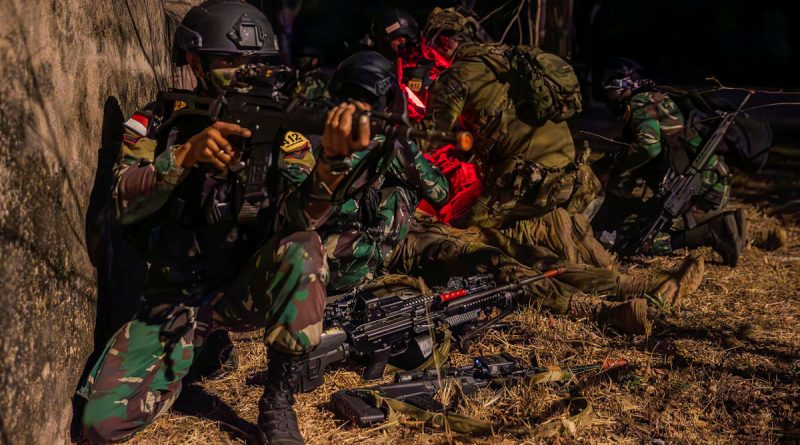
<point x="207" y="272"/>
<point x="435" y="252"/>
<point x="660" y="140"/>
<point x="528" y="171"/>
<point x="365" y="230"/>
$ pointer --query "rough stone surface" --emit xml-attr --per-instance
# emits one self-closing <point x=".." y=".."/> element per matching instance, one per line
<point x="59" y="61"/>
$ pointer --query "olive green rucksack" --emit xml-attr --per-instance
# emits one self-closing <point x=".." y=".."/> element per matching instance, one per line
<point x="544" y="86"/>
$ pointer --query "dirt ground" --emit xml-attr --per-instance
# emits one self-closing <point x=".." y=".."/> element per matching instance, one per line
<point x="723" y="369"/>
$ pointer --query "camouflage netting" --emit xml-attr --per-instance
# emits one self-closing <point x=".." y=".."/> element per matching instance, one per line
<point x="59" y="62"/>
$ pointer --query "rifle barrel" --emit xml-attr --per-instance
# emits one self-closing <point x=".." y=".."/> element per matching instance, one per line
<point x="508" y="287"/>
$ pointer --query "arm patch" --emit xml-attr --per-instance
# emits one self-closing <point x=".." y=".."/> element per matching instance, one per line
<point x="294" y="141"/>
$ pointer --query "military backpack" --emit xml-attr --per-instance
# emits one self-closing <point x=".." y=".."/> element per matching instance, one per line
<point x="542" y="86"/>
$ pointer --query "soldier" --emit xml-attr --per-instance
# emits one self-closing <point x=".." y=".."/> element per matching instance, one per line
<point x="368" y="240"/>
<point x="394" y="34"/>
<point x="660" y="140"/>
<point x="211" y="267"/>
<point x="529" y="167"/>
<point x="365" y="229"/>
<point x="435" y="252"/>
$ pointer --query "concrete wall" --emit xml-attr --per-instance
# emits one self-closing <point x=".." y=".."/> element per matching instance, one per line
<point x="59" y="61"/>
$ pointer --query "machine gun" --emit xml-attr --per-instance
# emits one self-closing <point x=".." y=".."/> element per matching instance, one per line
<point x="404" y="329"/>
<point x="676" y="191"/>
<point x="361" y="407"/>
<point x="252" y="98"/>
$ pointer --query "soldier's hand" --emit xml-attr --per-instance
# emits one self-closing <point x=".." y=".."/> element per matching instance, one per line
<point x="210" y="145"/>
<point x="338" y="137"/>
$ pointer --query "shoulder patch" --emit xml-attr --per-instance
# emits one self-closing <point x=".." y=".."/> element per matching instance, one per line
<point x="294" y="141"/>
<point x="179" y="105"/>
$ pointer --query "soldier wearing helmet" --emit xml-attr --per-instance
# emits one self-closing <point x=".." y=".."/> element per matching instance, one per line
<point x="364" y="231"/>
<point x="535" y="183"/>
<point x="447" y="29"/>
<point x="210" y="268"/>
<point x="394" y="33"/>
<point x="659" y="139"/>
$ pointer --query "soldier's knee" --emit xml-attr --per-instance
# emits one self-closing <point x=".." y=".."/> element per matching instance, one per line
<point x="307" y="240"/>
<point x="294" y="342"/>
<point x="305" y="250"/>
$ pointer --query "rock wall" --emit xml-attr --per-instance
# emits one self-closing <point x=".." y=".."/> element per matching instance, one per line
<point x="59" y="61"/>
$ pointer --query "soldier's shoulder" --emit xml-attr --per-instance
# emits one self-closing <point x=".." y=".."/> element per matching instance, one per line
<point x="471" y="52"/>
<point x="645" y="98"/>
<point x="297" y="155"/>
<point x="294" y="142"/>
<point x="138" y="138"/>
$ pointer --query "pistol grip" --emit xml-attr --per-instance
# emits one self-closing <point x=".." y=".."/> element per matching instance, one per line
<point x="377" y="365"/>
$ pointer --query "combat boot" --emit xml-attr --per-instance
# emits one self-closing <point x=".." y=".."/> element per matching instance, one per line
<point x="277" y="421"/>
<point x="626" y="317"/>
<point x="771" y="238"/>
<point x="669" y="289"/>
<point x="725" y="233"/>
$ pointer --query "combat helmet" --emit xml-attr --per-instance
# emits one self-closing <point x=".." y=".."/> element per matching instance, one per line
<point x="456" y="23"/>
<point x="393" y="24"/>
<point x="369" y="77"/>
<point x="224" y="27"/>
<point x="622" y="78"/>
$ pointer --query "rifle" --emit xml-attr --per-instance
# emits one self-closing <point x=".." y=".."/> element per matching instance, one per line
<point x="677" y="190"/>
<point x="403" y="329"/>
<point x="418" y="389"/>
<point x="252" y="98"/>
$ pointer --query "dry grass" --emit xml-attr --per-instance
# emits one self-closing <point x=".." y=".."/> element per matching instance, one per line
<point x="725" y="369"/>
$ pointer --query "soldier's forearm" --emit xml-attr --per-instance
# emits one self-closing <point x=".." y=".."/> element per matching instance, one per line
<point x="143" y="189"/>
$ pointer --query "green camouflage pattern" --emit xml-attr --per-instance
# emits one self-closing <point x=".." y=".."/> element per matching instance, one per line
<point x="364" y="230"/>
<point x="654" y="117"/>
<point x="528" y="169"/>
<point x="139" y="375"/>
<point x="296" y="163"/>
<point x="655" y="126"/>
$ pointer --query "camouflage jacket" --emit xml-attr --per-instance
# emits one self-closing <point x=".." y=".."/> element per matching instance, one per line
<point x="661" y="140"/>
<point x="362" y="233"/>
<point x="471" y="93"/>
<point x="186" y="224"/>
<point x="654" y="121"/>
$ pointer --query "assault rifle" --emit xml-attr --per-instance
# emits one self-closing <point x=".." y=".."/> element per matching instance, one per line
<point x="253" y="98"/>
<point x="419" y="388"/>
<point x="403" y="329"/>
<point x="676" y="191"/>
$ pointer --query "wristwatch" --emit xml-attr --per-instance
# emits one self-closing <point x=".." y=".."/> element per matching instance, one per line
<point x="338" y="165"/>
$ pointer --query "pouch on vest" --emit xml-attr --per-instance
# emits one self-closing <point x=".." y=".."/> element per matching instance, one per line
<point x="544" y="86"/>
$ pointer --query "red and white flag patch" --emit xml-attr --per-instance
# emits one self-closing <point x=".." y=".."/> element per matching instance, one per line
<point x="138" y="124"/>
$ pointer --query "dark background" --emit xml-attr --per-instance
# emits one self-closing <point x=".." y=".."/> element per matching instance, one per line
<point x="741" y="42"/>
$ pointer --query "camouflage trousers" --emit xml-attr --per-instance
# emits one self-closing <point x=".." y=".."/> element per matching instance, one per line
<point x="435" y="252"/>
<point x="568" y="236"/>
<point x="518" y="190"/>
<point x="138" y="376"/>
